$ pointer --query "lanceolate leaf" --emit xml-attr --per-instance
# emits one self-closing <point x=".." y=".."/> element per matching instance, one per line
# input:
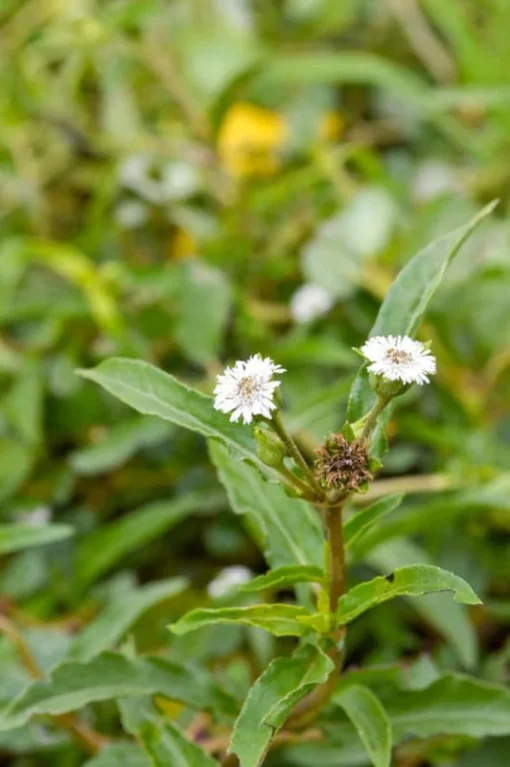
<point x="438" y="610"/>
<point x="272" y="698"/>
<point x="455" y="704"/>
<point x="109" y="627"/>
<point x="104" y="547"/>
<point x="361" y="521"/>
<point x="163" y="741"/>
<point x="288" y="529"/>
<point x="278" y="619"/>
<point x="151" y="391"/>
<point x="405" y="304"/>
<point x="370" y="720"/>
<point x="119" y="445"/>
<point x="285" y="576"/>
<point x="413" y="581"/>
<point x="18" y="537"/>
<point x="73" y="685"/>
<point x="120" y="755"/>
<point x="167" y="745"/>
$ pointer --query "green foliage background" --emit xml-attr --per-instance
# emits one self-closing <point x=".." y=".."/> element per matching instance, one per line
<point x="170" y="174"/>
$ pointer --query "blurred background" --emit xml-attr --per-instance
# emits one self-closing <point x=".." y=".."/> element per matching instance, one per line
<point x="193" y="181"/>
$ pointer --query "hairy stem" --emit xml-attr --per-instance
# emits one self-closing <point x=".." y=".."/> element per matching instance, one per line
<point x="294" y="452"/>
<point x="310" y="706"/>
<point x="371" y="418"/>
<point x="336" y="555"/>
<point x="297" y="483"/>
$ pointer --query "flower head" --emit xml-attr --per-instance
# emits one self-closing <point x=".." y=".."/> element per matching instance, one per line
<point x="247" y="389"/>
<point x="341" y="464"/>
<point x="399" y="358"/>
<point x="309" y="302"/>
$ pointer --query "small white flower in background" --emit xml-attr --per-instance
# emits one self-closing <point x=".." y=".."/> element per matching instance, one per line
<point x="399" y="358"/>
<point x="38" y="517"/>
<point x="247" y="389"/>
<point x="434" y="178"/>
<point x="156" y="181"/>
<point x="309" y="302"/>
<point x="131" y="214"/>
<point x="228" y="579"/>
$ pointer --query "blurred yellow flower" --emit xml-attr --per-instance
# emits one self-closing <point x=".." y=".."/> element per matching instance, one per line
<point x="249" y="140"/>
<point x="251" y="137"/>
<point x="331" y="126"/>
<point x="183" y="245"/>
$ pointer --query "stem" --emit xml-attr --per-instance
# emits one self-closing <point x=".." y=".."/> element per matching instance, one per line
<point x="297" y="483"/>
<point x="336" y="555"/>
<point x="230" y="760"/>
<point x="372" y="416"/>
<point x="415" y="483"/>
<point x="310" y="706"/>
<point x="293" y="450"/>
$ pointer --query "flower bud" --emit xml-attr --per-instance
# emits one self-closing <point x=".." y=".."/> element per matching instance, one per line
<point x="387" y="389"/>
<point x="270" y="448"/>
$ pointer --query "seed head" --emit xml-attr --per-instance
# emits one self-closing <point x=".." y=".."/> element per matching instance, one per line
<point x="342" y="465"/>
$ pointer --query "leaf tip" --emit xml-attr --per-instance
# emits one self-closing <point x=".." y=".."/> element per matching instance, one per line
<point x="84" y="372"/>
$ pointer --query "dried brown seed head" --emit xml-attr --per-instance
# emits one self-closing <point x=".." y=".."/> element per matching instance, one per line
<point x="342" y="465"/>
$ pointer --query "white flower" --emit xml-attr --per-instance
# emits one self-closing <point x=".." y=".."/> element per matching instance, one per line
<point x="247" y="389"/>
<point x="228" y="579"/>
<point x="434" y="178"/>
<point x="40" y="516"/>
<point x="399" y="358"/>
<point x="131" y="214"/>
<point x="309" y="302"/>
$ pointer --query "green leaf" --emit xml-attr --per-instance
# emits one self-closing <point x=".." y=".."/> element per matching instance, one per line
<point x="455" y="704"/>
<point x="16" y="462"/>
<point x="449" y="618"/>
<point x="317" y="407"/>
<point x="411" y="581"/>
<point x="405" y="303"/>
<point x="17" y="537"/>
<point x="203" y="309"/>
<point x="370" y="720"/>
<point x="288" y="529"/>
<point x="361" y="521"/>
<point x="153" y="392"/>
<point x="24" y="403"/>
<point x="167" y="745"/>
<point x="118" y="109"/>
<point x="111" y="625"/>
<point x="407" y="299"/>
<point x="73" y="265"/>
<point x="103" y="548"/>
<point x="13" y="269"/>
<point x="119" y="755"/>
<point x="278" y="619"/>
<point x="364" y="68"/>
<point x="334" y="257"/>
<point x="285" y="576"/>
<point x="119" y="445"/>
<point x="271" y="699"/>
<point x="349" y="67"/>
<point x="163" y="741"/>
<point x="73" y="685"/>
